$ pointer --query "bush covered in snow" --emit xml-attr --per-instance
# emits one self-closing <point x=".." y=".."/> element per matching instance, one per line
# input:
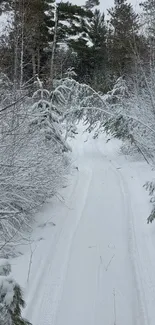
<point x="126" y="112"/>
<point x="11" y="298"/>
<point x="33" y="139"/>
<point x="33" y="158"/>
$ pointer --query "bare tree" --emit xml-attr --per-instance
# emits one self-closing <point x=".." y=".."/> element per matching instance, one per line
<point x="53" y="47"/>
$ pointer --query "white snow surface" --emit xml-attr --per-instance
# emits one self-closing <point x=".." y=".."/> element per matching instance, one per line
<point x="7" y="285"/>
<point x="5" y="267"/>
<point x="91" y="255"/>
<point x="5" y="23"/>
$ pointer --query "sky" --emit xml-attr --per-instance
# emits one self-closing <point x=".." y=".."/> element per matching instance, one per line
<point x="105" y="4"/>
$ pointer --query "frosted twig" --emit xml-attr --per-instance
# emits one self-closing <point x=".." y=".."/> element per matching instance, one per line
<point x="109" y="263"/>
<point x="115" y="316"/>
<point x="30" y="262"/>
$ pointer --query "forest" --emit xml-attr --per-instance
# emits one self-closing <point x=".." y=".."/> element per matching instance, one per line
<point x="61" y="63"/>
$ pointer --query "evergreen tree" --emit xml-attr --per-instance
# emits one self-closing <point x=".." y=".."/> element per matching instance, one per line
<point x="80" y="27"/>
<point x="11" y="298"/>
<point x="92" y="53"/>
<point x="91" y="3"/>
<point x="31" y="34"/>
<point x="72" y="21"/>
<point x="84" y="31"/>
<point x="98" y="35"/>
<point x="73" y="29"/>
<point x="122" y="36"/>
<point x="149" y="19"/>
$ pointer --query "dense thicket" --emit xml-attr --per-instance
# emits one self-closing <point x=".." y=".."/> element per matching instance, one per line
<point x="45" y="36"/>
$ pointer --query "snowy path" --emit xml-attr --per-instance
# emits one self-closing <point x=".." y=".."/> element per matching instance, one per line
<point x="99" y="271"/>
<point x="89" y="270"/>
<point x="99" y="284"/>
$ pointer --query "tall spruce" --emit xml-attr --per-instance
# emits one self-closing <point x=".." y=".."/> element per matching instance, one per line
<point x="83" y="29"/>
<point x="149" y="21"/>
<point x="122" y="36"/>
<point x="73" y="30"/>
<point x="98" y="35"/>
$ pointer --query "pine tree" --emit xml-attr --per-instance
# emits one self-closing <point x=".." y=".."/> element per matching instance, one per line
<point x="97" y="35"/>
<point x="123" y="33"/>
<point x="84" y="31"/>
<point x="11" y="298"/>
<point x="149" y="19"/>
<point x="31" y="35"/>
<point x="92" y="53"/>
<point x="90" y="4"/>
<point x="72" y="21"/>
<point x="73" y="30"/>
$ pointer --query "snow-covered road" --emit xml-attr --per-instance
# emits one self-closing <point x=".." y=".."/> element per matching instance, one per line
<point x="99" y="286"/>
<point x="89" y="270"/>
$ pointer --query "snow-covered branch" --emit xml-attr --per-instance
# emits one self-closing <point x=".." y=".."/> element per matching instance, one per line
<point x="11" y="297"/>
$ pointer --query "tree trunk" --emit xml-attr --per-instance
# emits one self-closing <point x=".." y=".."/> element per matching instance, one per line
<point x="16" y="39"/>
<point x="33" y="63"/>
<point x="53" y="49"/>
<point x="38" y="61"/>
<point x="22" y="55"/>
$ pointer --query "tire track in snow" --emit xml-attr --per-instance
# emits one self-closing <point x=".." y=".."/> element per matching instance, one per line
<point x="47" y="303"/>
<point x="133" y="247"/>
<point x="34" y="290"/>
<point x="96" y="304"/>
<point x="140" y="265"/>
<point x="98" y="282"/>
<point x="104" y="268"/>
<point x="134" y="255"/>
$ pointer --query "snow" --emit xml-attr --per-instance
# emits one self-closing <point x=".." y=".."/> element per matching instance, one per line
<point x="5" y="267"/>
<point x="5" y="23"/>
<point x="90" y="258"/>
<point x="6" y="290"/>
